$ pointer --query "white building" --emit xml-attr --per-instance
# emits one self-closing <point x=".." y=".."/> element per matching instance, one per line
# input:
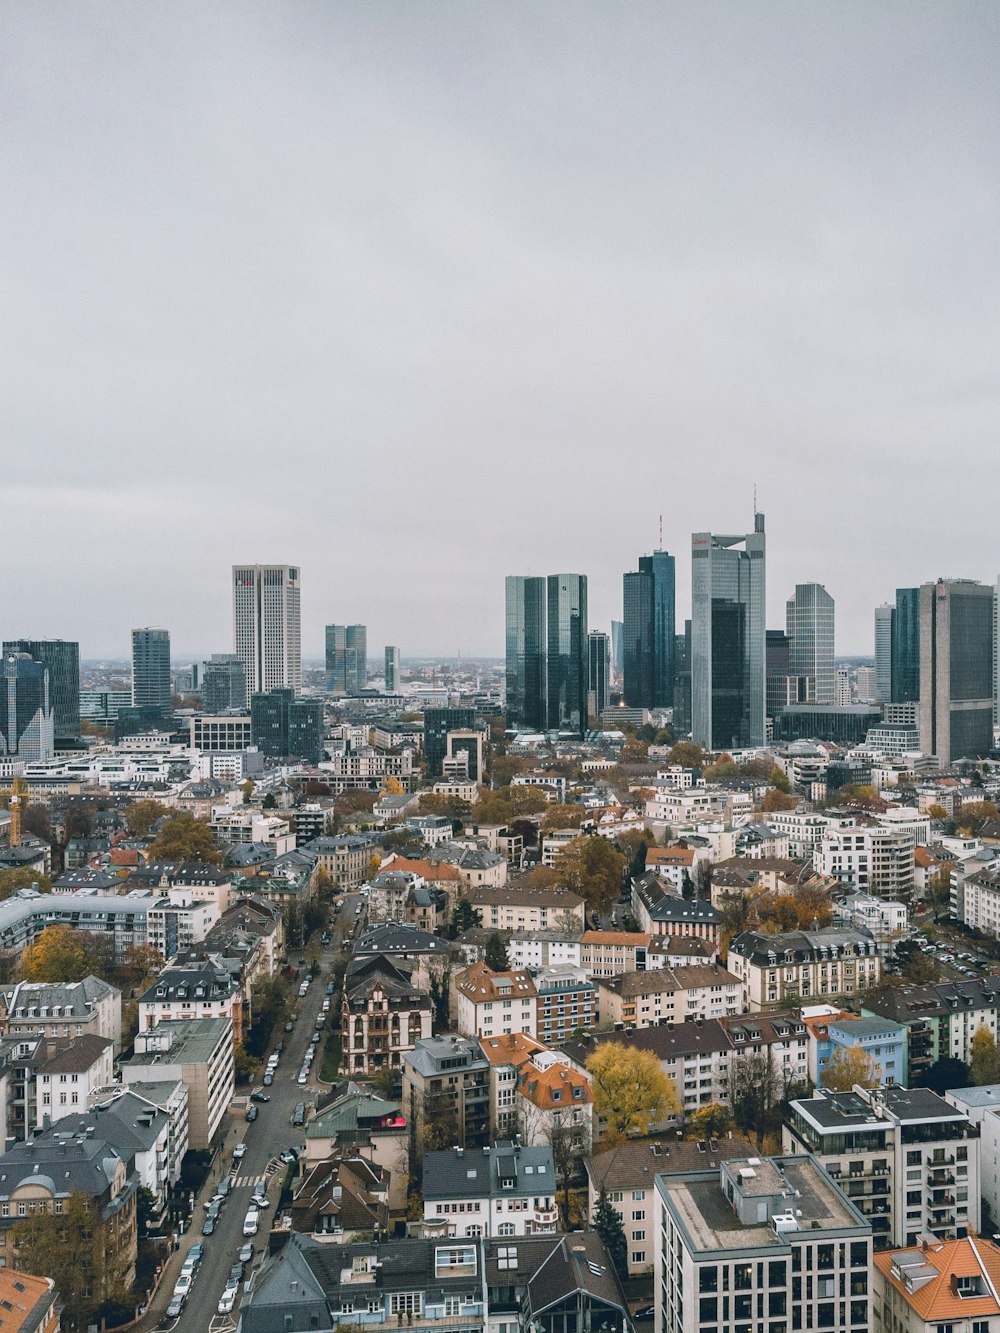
<point x="868" y="856"/>
<point x="492" y="1004"/>
<point x="506" y="1190"/>
<point x="64" y="1082"/>
<point x="267" y="635"/>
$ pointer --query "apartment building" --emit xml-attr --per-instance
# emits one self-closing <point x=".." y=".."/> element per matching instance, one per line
<point x="505" y="1190"/>
<point x="928" y="1289"/>
<point x="345" y="858"/>
<point x="554" y="1103"/>
<point x="566" y="1002"/>
<point x="942" y="1018"/>
<point x="446" y="1080"/>
<point x="194" y="990"/>
<point x="63" y="1010"/>
<point x="490" y="1004"/>
<point x="804" y="965"/>
<point x="868" y="856"/>
<point x="526" y="909"/>
<point x="660" y="912"/>
<point x="197" y="1052"/>
<point x="507" y="1055"/>
<point x="642" y="999"/>
<point x="384" y="1013"/>
<point x="906" y="1157"/>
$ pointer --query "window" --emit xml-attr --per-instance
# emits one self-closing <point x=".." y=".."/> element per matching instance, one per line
<point x="505" y="1229"/>
<point x="638" y="1235"/>
<point x="638" y="1214"/>
<point x="507" y="1256"/>
<point x="459" y="1256"/>
<point x="637" y="1256"/>
<point x="405" y="1302"/>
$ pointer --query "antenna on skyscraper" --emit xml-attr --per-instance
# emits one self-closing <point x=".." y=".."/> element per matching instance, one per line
<point x="660" y="547"/>
<point x="755" y="497"/>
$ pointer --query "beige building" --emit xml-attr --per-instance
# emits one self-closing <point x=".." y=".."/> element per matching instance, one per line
<point x="516" y="908"/>
<point x="493" y="1004"/>
<point x="804" y="965"/>
<point x="644" y="999"/>
<point x="199" y="1052"/>
<point x="63" y="1010"/>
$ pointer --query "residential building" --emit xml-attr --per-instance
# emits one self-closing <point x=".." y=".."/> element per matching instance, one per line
<point x="283" y="726"/>
<point x="145" y="1100"/>
<point x="446" y="1083"/>
<point x="882" y="1039"/>
<point x="941" y="1018"/>
<point x="526" y="646"/>
<point x="383" y="1015"/>
<point x="267" y="626"/>
<point x="627" y="1173"/>
<point x="62" y="658"/>
<point x="347" y="659"/>
<point x="345" y="858"/>
<point x="809" y="616"/>
<point x="803" y="965"/>
<point x="566" y="1002"/>
<point x="727" y="639"/>
<point x="506" y="1190"/>
<point x="63" y="1010"/>
<point x="871" y="857"/>
<point x="65" y="1080"/>
<point x="554" y="1104"/>
<point x="924" y="1289"/>
<point x="491" y="1004"/>
<point x="392" y="669"/>
<point x="31" y="1304"/>
<point x="956" y="669"/>
<point x="151" y="669"/>
<point x="906" y="647"/>
<point x="908" y="1158"/>
<point x="197" y="1052"/>
<point x="438" y="722"/>
<point x="598" y="672"/>
<point x="887" y="920"/>
<point x="224" y="684"/>
<point x="345" y="1198"/>
<point x="885" y="617"/>
<point x="759" y="1245"/>
<point x="661" y="913"/>
<point x="526" y="909"/>
<point x="27" y="726"/>
<point x="607" y="953"/>
<point x="551" y="1285"/>
<point x="357" y="1119"/>
<point x="644" y="999"/>
<point x="203" y="989"/>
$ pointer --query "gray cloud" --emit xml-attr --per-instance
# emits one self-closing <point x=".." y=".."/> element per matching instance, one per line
<point x="417" y="296"/>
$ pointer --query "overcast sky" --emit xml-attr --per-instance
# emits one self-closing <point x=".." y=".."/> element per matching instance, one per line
<point x="419" y="295"/>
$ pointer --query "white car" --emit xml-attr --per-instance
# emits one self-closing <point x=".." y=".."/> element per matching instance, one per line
<point x="227" y="1300"/>
<point x="303" y="1076"/>
<point x="260" y="1201"/>
<point x="183" y="1284"/>
<point x="239" y="1151"/>
<point x="250" y="1222"/>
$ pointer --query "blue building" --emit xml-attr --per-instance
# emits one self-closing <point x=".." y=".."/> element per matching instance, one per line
<point x="881" y="1038"/>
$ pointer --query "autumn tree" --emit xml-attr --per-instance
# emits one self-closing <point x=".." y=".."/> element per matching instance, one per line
<point x="22" y="878"/>
<point x="777" y="777"/>
<point x="564" y="816"/>
<point x="631" y="1091"/>
<point x="850" y="1065"/>
<point x="140" y="817"/>
<point x="755" y="1089"/>
<point x="184" y="838"/>
<point x="774" y="799"/>
<point x="687" y="754"/>
<point x="609" y="1226"/>
<point x="724" y="767"/>
<point x="592" y="868"/>
<point x="984" y="1061"/>
<point x="35" y="820"/>
<point x="973" y="813"/>
<point x="937" y="812"/>
<point x="62" y="954"/>
<point x="709" y="1122"/>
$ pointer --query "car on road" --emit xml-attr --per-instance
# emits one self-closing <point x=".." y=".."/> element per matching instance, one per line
<point x="299" y="1114"/>
<point x="303" y="1076"/>
<point x="289" y="1155"/>
<point x="208" y="1226"/>
<point x="183" y="1285"/>
<point x="246" y="1253"/>
<point x="268" y="1079"/>
<point x="259" y="1097"/>
<point x="251" y="1222"/>
<point x="252" y="1114"/>
<point x="235" y="1275"/>
<point x="317" y="1037"/>
<point x="260" y="1201"/>
<point x="175" y="1307"/>
<point x="225" y="1185"/>
<point x="239" y="1151"/>
<point x="196" y="1253"/>
<point x="329" y="988"/>
<point x="289" y="1027"/>
<point x="227" y="1300"/>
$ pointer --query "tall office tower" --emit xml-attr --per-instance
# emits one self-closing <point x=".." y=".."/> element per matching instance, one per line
<point x="62" y="657"/>
<point x="809" y="623"/>
<point x="728" y="639"/>
<point x="437" y="724"/>
<point x="391" y="669"/>
<point x="617" y="651"/>
<point x="842" y="688"/>
<point x="781" y="687"/>
<point x="566" y="653"/>
<point x="267" y="626"/>
<point x="955" y="717"/>
<point x="866" y="684"/>
<point x="526" y="631"/>
<point x="27" y="728"/>
<point x="598" y="671"/>
<point x="346" y="659"/>
<point x="649" y="632"/>
<point x="223" y="683"/>
<point x="906" y="646"/>
<point x="682" y="681"/>
<point x="151" y="669"/>
<point x="996" y="653"/>
<point x="285" y="727"/>
<point x="885" y="624"/>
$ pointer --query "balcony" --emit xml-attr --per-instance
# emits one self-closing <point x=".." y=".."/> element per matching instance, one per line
<point x="545" y="1220"/>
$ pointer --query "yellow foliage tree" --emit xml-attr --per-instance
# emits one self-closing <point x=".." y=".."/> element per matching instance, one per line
<point x="392" y="786"/>
<point x="59" y="954"/>
<point x="850" y="1065"/>
<point x="631" y="1091"/>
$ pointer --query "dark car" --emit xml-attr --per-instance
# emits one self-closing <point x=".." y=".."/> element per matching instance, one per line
<point x="208" y="1226"/>
<point x="252" y="1114"/>
<point x="236" y="1273"/>
<point x="259" y="1097"/>
<point x="196" y="1252"/>
<point x="329" y="988"/>
<point x="644" y="1312"/>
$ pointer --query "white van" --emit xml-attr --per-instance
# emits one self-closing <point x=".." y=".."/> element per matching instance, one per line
<point x="250" y="1222"/>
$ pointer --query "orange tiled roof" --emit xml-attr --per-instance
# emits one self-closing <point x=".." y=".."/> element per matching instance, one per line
<point x="22" y="1292"/>
<point x="512" y="1048"/>
<point x="480" y="983"/>
<point x="539" y="1085"/>
<point x="627" y="938"/>
<point x="428" y="870"/>
<point x="922" y="857"/>
<point x="938" y="1298"/>
<point x="669" y="856"/>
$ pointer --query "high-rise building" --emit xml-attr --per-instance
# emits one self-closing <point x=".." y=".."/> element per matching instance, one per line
<point x="223" y="683"/>
<point x="437" y="723"/>
<point x="885" y="624"/>
<point x="682" y="681"/>
<point x="391" y="669"/>
<point x="27" y="728"/>
<point x="728" y="639"/>
<point x="282" y="726"/>
<point x="617" y="650"/>
<point x="267" y="626"/>
<point x="598" y="671"/>
<point x="906" y="646"/>
<point x="62" y="657"/>
<point x="346" y="659"/>
<point x="996" y="653"/>
<point x="809" y="624"/>
<point x="566" y="653"/>
<point x="526" y="633"/>
<point x="648" y="638"/>
<point x="955" y="716"/>
<point x="151" y="669"/>
<point x="866" y="682"/>
<point x="842" y="688"/>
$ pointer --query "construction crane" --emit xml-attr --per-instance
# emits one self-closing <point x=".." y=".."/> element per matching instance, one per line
<point x="17" y="802"/>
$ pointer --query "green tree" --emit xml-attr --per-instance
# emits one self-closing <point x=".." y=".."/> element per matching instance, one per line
<point x="779" y="778"/>
<point x="724" y="767"/>
<point x="593" y="868"/>
<point x="943" y="1075"/>
<point x="496" y="952"/>
<point x="184" y="838"/>
<point x="608" y="1225"/>
<point x="630" y="1089"/>
<point x="687" y="754"/>
<point x="244" y="1065"/>
<point x="464" y="917"/>
<point x="439" y="993"/>
<point x="140" y="817"/>
<point x="984" y="1060"/>
<point x="12" y="880"/>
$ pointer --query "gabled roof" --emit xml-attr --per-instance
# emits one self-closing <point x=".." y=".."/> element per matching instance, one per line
<point x="576" y="1263"/>
<point x="77" y="1056"/>
<point x="930" y="1279"/>
<point x="554" y="1088"/>
<point x="513" y="1048"/>
<point x="25" y="1299"/>
<point x="479" y="983"/>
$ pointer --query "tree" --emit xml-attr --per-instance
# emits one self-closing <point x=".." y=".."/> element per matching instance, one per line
<point x="59" y="954"/>
<point x="439" y="1127"/>
<point x="937" y="812"/>
<point x="709" y="1122"/>
<point x="631" y="1091"/>
<point x="984" y="1060"/>
<point x="12" y="880"/>
<point x="451" y="807"/>
<point x="464" y="917"/>
<point x="592" y="868"/>
<point x="724" y="767"/>
<point x="943" y="1075"/>
<point x="850" y="1065"/>
<point x="609" y="1226"/>
<point x="777" y="777"/>
<point x="184" y="838"/>
<point x="35" y="819"/>
<point x="140" y="817"/>
<point x="974" y="812"/>
<point x="244" y="1065"/>
<point x="687" y="754"/>
<point x="70" y="1248"/>
<point x="564" y="816"/>
<point x="541" y="877"/>
<point x="248" y="787"/>
<point x="439" y="992"/>
<point x="754" y="1092"/>
<point x="777" y="800"/>
<point x="496" y="952"/>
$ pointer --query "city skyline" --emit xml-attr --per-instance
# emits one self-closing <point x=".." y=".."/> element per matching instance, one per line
<point x="737" y="254"/>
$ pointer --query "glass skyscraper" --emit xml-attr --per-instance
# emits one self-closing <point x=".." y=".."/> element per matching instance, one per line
<point x="566" y="653"/>
<point x="955" y="715"/>
<point x="437" y="723"/>
<point x="151" y="669"/>
<point x="346" y="659"/>
<point x="649" y="633"/>
<point x="26" y="718"/>
<point x="526" y="632"/>
<point x="391" y="669"/>
<point x="62" y="657"/>
<point x="809" y="624"/>
<point x="285" y="727"/>
<point x="728" y="639"/>
<point x="223" y="683"/>
<point x="598" y="671"/>
<point x="905" y="666"/>
<point x="885" y="625"/>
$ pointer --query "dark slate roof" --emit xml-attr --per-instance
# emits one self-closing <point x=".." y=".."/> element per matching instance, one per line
<point x="665" y="1041"/>
<point x="803" y="945"/>
<point x="77" y="1056"/>
<point x="908" y="1004"/>
<point x="633" y="1165"/>
<point x="391" y="937"/>
<point x="181" y="983"/>
<point x="477" y="1173"/>
<point x="576" y="1263"/>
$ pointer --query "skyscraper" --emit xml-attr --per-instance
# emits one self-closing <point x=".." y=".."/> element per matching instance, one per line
<point x="526" y="634"/>
<point x="598" y="671"/>
<point x="437" y="723"/>
<point x="566" y="653"/>
<point x="955" y="716"/>
<point x="285" y="727"/>
<point x="346" y="659"/>
<point x="682" y="681"/>
<point x="62" y="657"/>
<point x="151" y="669"/>
<point x="649" y="632"/>
<point x="728" y="638"/>
<point x="26" y="718"/>
<point x="809" y="623"/>
<point x="906" y="646"/>
<point x="617" y="650"/>
<point x="223" y="683"/>
<point x="267" y="626"/>
<point x="391" y="669"/>
<point x="885" y="624"/>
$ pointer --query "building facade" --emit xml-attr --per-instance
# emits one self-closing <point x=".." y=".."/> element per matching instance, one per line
<point x="347" y="659"/>
<point x="267" y="626"/>
<point x="151" y="686"/>
<point x="526" y="639"/>
<point x="224" y="683"/>
<point x="598" y="672"/>
<point x="62" y="657"/>
<point x="566" y="653"/>
<point x="809" y="620"/>
<point x="27" y="726"/>
<point x="392" y="673"/>
<point x="955" y="715"/>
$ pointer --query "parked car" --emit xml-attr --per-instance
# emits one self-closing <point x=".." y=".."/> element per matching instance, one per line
<point x="289" y="1027"/>
<point x="183" y="1284"/>
<point x="196" y="1252"/>
<point x="259" y="1097"/>
<point x="252" y="1114"/>
<point x="268" y="1079"/>
<point x="303" y="1077"/>
<point x="208" y="1226"/>
<point x="260" y="1201"/>
<point x="299" y="1114"/>
<point x="329" y="988"/>
<point x="227" y="1300"/>
<point x="239" y="1151"/>
<point x="251" y="1222"/>
<point x="235" y="1274"/>
<point x="175" y="1307"/>
<point x="246" y="1253"/>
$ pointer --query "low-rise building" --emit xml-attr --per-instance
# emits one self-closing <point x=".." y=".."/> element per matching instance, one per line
<point x="566" y="1003"/>
<point x="506" y="1190"/>
<point x="928" y="1289"/>
<point x="197" y="1052"/>
<point x="446" y="1085"/>
<point x="63" y="1010"/>
<point x="804" y="965"/>
<point x="554" y="1103"/>
<point x="194" y="990"/>
<point x="490" y="1004"/>
<point x="384" y="1014"/>
<point x="345" y="1198"/>
<point x="65" y="1080"/>
<point x="643" y="999"/>
<point x="527" y="909"/>
<point x="661" y="913"/>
